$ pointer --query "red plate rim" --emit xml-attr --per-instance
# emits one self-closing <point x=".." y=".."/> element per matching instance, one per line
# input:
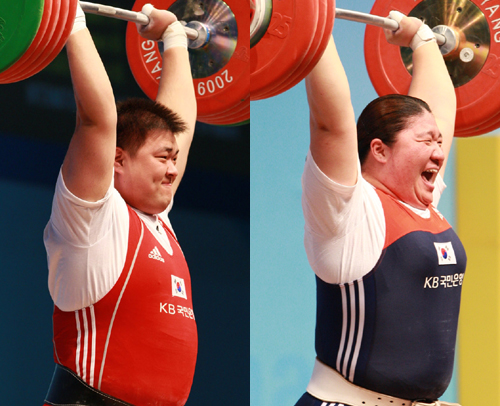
<point x="474" y="98"/>
<point x="292" y="28"/>
<point x="68" y="18"/>
<point x="50" y="39"/>
<point x="295" y="74"/>
<point x="229" y="84"/>
<point x="25" y="58"/>
<point x="326" y="32"/>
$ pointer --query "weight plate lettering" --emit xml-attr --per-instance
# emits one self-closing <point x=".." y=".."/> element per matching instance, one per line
<point x="220" y="69"/>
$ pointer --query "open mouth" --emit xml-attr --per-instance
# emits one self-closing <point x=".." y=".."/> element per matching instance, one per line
<point x="430" y="175"/>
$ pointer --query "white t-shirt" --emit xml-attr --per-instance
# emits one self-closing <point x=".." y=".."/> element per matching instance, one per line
<point x="344" y="225"/>
<point x="87" y="243"/>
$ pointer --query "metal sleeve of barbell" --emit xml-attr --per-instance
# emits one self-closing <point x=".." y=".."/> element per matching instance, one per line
<point x="376" y="20"/>
<point x="127" y="15"/>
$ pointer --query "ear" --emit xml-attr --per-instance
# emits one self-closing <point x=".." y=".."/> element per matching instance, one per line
<point x="120" y="157"/>
<point x="379" y="150"/>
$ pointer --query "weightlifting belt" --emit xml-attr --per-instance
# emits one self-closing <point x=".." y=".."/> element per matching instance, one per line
<point x="328" y="385"/>
<point x="67" y="389"/>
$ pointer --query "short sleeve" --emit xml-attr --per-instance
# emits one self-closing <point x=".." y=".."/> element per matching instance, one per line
<point x="344" y="225"/>
<point x="86" y="245"/>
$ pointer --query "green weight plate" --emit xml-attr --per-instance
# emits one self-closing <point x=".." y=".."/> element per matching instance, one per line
<point x="39" y="43"/>
<point x="19" y="22"/>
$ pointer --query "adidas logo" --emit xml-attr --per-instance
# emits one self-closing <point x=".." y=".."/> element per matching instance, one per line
<point x="155" y="254"/>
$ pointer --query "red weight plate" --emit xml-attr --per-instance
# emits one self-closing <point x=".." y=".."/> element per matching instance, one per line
<point x="63" y="30"/>
<point x="324" y="37"/>
<point x="242" y="108"/>
<point x="237" y="108"/>
<point x="227" y="121"/>
<point x="489" y="126"/>
<point x="68" y="18"/>
<point x="303" y="55"/>
<point x="477" y="101"/>
<point x="215" y="93"/>
<point x="295" y="74"/>
<point x="236" y="114"/>
<point x="35" y="45"/>
<point x="48" y="43"/>
<point x="225" y="117"/>
<point x="234" y="110"/>
<point x="246" y="122"/>
<point x="323" y="43"/>
<point x="232" y="118"/>
<point x="285" y="42"/>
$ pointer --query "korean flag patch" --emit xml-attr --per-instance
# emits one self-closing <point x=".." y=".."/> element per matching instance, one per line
<point x="178" y="287"/>
<point x="445" y="253"/>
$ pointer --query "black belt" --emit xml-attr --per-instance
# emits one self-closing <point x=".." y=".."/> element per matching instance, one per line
<point x="67" y="389"/>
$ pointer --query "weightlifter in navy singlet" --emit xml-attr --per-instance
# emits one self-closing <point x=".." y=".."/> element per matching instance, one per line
<point x="389" y="268"/>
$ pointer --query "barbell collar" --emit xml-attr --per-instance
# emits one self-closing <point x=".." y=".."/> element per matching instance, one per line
<point x="378" y="21"/>
<point x="127" y="15"/>
<point x="203" y="34"/>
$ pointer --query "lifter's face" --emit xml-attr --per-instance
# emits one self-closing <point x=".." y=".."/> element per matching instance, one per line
<point x="414" y="161"/>
<point x="145" y="179"/>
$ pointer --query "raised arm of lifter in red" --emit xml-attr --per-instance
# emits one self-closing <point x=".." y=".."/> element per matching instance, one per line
<point x="176" y="90"/>
<point x="88" y="166"/>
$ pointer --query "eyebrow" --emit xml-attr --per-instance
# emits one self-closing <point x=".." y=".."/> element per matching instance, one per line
<point x="424" y="134"/>
<point x="169" y="149"/>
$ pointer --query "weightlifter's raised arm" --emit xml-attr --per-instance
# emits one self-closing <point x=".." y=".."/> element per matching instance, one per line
<point x="176" y="89"/>
<point x="333" y="127"/>
<point x="88" y="166"/>
<point x="431" y="80"/>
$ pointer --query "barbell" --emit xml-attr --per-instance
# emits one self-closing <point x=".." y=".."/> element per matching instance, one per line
<point x="468" y="33"/>
<point x="31" y="36"/>
<point x="234" y="62"/>
<point x="473" y="62"/>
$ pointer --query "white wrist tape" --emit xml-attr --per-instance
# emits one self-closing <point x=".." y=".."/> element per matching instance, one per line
<point x="422" y="36"/>
<point x="147" y="9"/>
<point x="396" y="16"/>
<point x="79" y="23"/>
<point x="174" y="36"/>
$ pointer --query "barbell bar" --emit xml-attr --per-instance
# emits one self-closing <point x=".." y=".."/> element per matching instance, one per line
<point x="284" y="77"/>
<point x="470" y="49"/>
<point x="462" y="50"/>
<point x="447" y="38"/>
<point x="193" y="34"/>
<point x="262" y="8"/>
<point x="220" y="69"/>
<point x="219" y="59"/>
<point x="132" y="16"/>
<point x="378" y="21"/>
<point x="234" y="108"/>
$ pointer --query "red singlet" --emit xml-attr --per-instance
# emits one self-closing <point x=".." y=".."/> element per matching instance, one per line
<point x="139" y="343"/>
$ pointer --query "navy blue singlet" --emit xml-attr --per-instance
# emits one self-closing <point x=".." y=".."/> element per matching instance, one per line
<point x="394" y="330"/>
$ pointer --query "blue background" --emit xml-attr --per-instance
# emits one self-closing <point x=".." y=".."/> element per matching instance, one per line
<point x="210" y="217"/>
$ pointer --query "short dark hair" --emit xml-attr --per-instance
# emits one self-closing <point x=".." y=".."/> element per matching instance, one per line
<point x="384" y="118"/>
<point x="138" y="117"/>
